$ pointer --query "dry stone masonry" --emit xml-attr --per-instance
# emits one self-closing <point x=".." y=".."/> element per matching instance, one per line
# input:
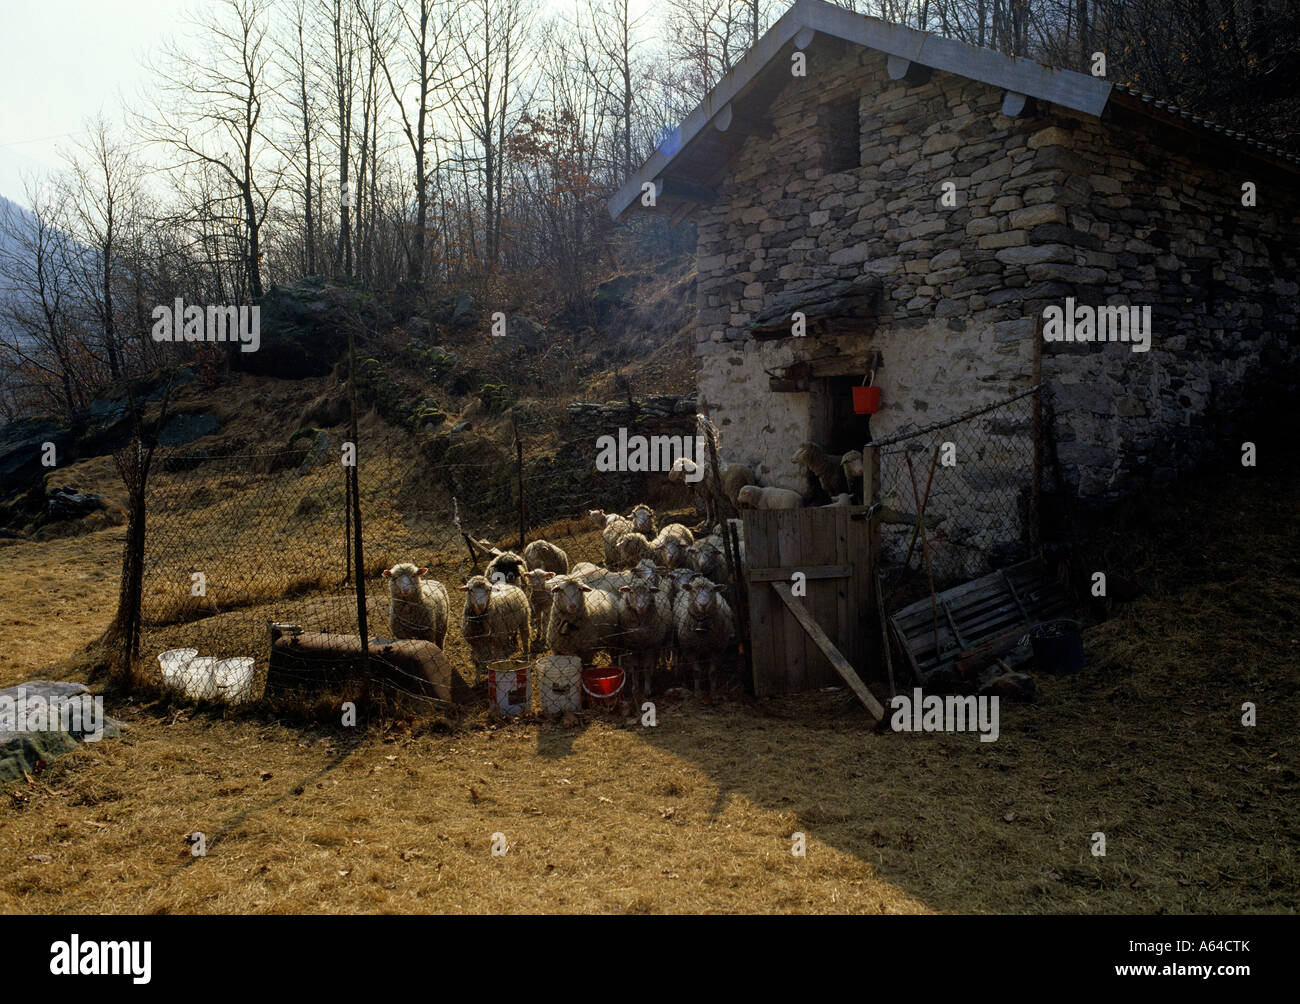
<point x="975" y="222"/>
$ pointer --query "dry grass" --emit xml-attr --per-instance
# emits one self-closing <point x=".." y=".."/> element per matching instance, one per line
<point x="1200" y="814"/>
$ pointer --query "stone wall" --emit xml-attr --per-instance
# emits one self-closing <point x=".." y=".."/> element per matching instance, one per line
<point x="1049" y="205"/>
<point x="1143" y="224"/>
<point x="952" y="338"/>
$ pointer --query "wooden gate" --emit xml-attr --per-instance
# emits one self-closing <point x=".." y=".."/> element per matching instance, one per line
<point x="823" y="637"/>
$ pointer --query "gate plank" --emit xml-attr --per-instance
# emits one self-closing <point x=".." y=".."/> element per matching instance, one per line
<point x="842" y="665"/>
<point x="790" y="552"/>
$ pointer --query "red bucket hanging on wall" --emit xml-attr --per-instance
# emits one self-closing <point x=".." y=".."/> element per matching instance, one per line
<point x="866" y="399"/>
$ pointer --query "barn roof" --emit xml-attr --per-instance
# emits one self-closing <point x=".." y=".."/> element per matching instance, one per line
<point x="691" y="159"/>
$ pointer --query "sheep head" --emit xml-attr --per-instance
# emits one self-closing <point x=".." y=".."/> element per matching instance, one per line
<point x="569" y="595"/>
<point x="478" y="595"/>
<point x="643" y="520"/>
<point x="404" y="580"/>
<point x="703" y="595"/>
<point x="639" y="598"/>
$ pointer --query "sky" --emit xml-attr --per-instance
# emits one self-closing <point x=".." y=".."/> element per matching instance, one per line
<point x="62" y="61"/>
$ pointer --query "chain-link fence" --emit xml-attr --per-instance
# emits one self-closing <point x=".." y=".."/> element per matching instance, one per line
<point x="251" y="596"/>
<point x="957" y="497"/>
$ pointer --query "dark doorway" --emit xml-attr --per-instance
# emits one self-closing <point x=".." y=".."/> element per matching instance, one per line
<point x="841" y="429"/>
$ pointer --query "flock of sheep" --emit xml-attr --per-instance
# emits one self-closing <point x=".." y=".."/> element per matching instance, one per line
<point x="660" y="592"/>
<point x="659" y="596"/>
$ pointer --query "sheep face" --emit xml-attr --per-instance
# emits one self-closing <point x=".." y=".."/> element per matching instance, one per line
<point x="537" y="579"/>
<point x="404" y="581"/>
<point x="569" y="596"/>
<point x="646" y="571"/>
<point x="597" y="518"/>
<point x="805" y="455"/>
<point x="478" y="595"/>
<point x="643" y="520"/>
<point x="673" y="553"/>
<point x="747" y="497"/>
<point x="682" y="469"/>
<point x="703" y="594"/>
<point x="704" y="555"/>
<point x="631" y="548"/>
<point x="639" y="598"/>
<point x="683" y="575"/>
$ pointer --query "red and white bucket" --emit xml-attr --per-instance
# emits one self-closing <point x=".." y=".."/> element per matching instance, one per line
<point x="510" y="686"/>
<point x="602" y="685"/>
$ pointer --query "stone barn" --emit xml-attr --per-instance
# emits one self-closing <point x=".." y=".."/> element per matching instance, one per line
<point x="955" y="220"/>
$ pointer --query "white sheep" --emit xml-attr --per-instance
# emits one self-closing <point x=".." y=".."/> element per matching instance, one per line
<point x="672" y="582"/>
<point x="539" y="598"/>
<point x="704" y="626"/>
<point x="734" y="478"/>
<point x="824" y="466"/>
<point x="544" y="554"/>
<point x="671" y="544"/>
<point x="495" y="622"/>
<point x="699" y="478"/>
<point x="612" y="528"/>
<point x="707" y="557"/>
<point x="643" y="520"/>
<point x="601" y="578"/>
<point x="630" y="548"/>
<point x="851" y="463"/>
<point x="583" y="621"/>
<point x="418" y="608"/>
<point x="754" y="497"/>
<point x="646" y="623"/>
<point x="839" y="501"/>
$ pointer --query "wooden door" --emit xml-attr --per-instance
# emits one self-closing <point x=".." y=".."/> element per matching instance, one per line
<point x="830" y="547"/>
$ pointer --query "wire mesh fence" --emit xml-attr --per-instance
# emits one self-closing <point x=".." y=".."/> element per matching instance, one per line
<point x="957" y="496"/>
<point x="251" y="595"/>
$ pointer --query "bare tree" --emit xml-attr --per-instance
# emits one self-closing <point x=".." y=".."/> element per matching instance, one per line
<point x="301" y="87"/>
<point x="424" y="57"/>
<point x="102" y="192"/>
<point x="42" y="339"/>
<point x="210" y="110"/>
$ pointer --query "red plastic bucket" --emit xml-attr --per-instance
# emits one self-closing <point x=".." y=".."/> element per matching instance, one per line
<point x="866" y="400"/>
<point x="602" y="685"/>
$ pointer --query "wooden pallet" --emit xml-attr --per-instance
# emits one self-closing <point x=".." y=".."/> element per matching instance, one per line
<point x="969" y="626"/>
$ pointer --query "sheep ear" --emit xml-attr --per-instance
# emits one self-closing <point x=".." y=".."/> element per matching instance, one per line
<point x="624" y="589"/>
<point x="654" y="589"/>
<point x="584" y="587"/>
<point x="387" y="573"/>
<point x="550" y="575"/>
<point x="463" y="589"/>
<point x="422" y="571"/>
